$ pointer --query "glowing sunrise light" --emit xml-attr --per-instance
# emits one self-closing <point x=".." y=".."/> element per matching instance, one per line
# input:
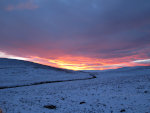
<point x="85" y="63"/>
<point x="74" y="34"/>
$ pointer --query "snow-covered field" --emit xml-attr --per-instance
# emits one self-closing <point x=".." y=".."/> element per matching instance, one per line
<point x="123" y="90"/>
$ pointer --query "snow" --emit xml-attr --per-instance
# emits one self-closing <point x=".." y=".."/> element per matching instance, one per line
<point x="113" y="91"/>
<point x="13" y="72"/>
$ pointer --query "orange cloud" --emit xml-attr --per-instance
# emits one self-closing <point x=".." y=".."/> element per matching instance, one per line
<point x="87" y="63"/>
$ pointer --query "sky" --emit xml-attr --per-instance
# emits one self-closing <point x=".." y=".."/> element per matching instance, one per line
<point x="76" y="34"/>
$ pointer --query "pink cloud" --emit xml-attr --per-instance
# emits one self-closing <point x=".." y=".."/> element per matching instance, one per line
<point x="22" y="6"/>
<point x="9" y="8"/>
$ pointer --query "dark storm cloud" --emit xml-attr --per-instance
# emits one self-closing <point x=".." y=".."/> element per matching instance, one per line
<point x="91" y="28"/>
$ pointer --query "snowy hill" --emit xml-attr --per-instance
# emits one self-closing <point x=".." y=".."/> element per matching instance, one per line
<point x="28" y="87"/>
<point x="4" y="62"/>
<point x="14" y="73"/>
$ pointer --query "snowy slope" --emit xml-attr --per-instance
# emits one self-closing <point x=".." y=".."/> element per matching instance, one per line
<point x="115" y="91"/>
<point x="15" y="72"/>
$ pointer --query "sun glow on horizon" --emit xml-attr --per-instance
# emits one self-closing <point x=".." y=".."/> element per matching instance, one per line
<point x="81" y="62"/>
<point x="85" y="63"/>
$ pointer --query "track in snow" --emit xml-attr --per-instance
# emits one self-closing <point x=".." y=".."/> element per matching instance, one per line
<point x="46" y="82"/>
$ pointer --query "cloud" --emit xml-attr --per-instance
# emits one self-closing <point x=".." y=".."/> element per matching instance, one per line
<point x="28" y="5"/>
<point x="145" y="61"/>
<point x="5" y="55"/>
<point x="89" y="32"/>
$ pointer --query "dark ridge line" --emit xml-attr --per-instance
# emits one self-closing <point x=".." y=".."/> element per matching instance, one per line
<point x="46" y="82"/>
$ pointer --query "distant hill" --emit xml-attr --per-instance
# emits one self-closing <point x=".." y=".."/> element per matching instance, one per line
<point x="124" y="69"/>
